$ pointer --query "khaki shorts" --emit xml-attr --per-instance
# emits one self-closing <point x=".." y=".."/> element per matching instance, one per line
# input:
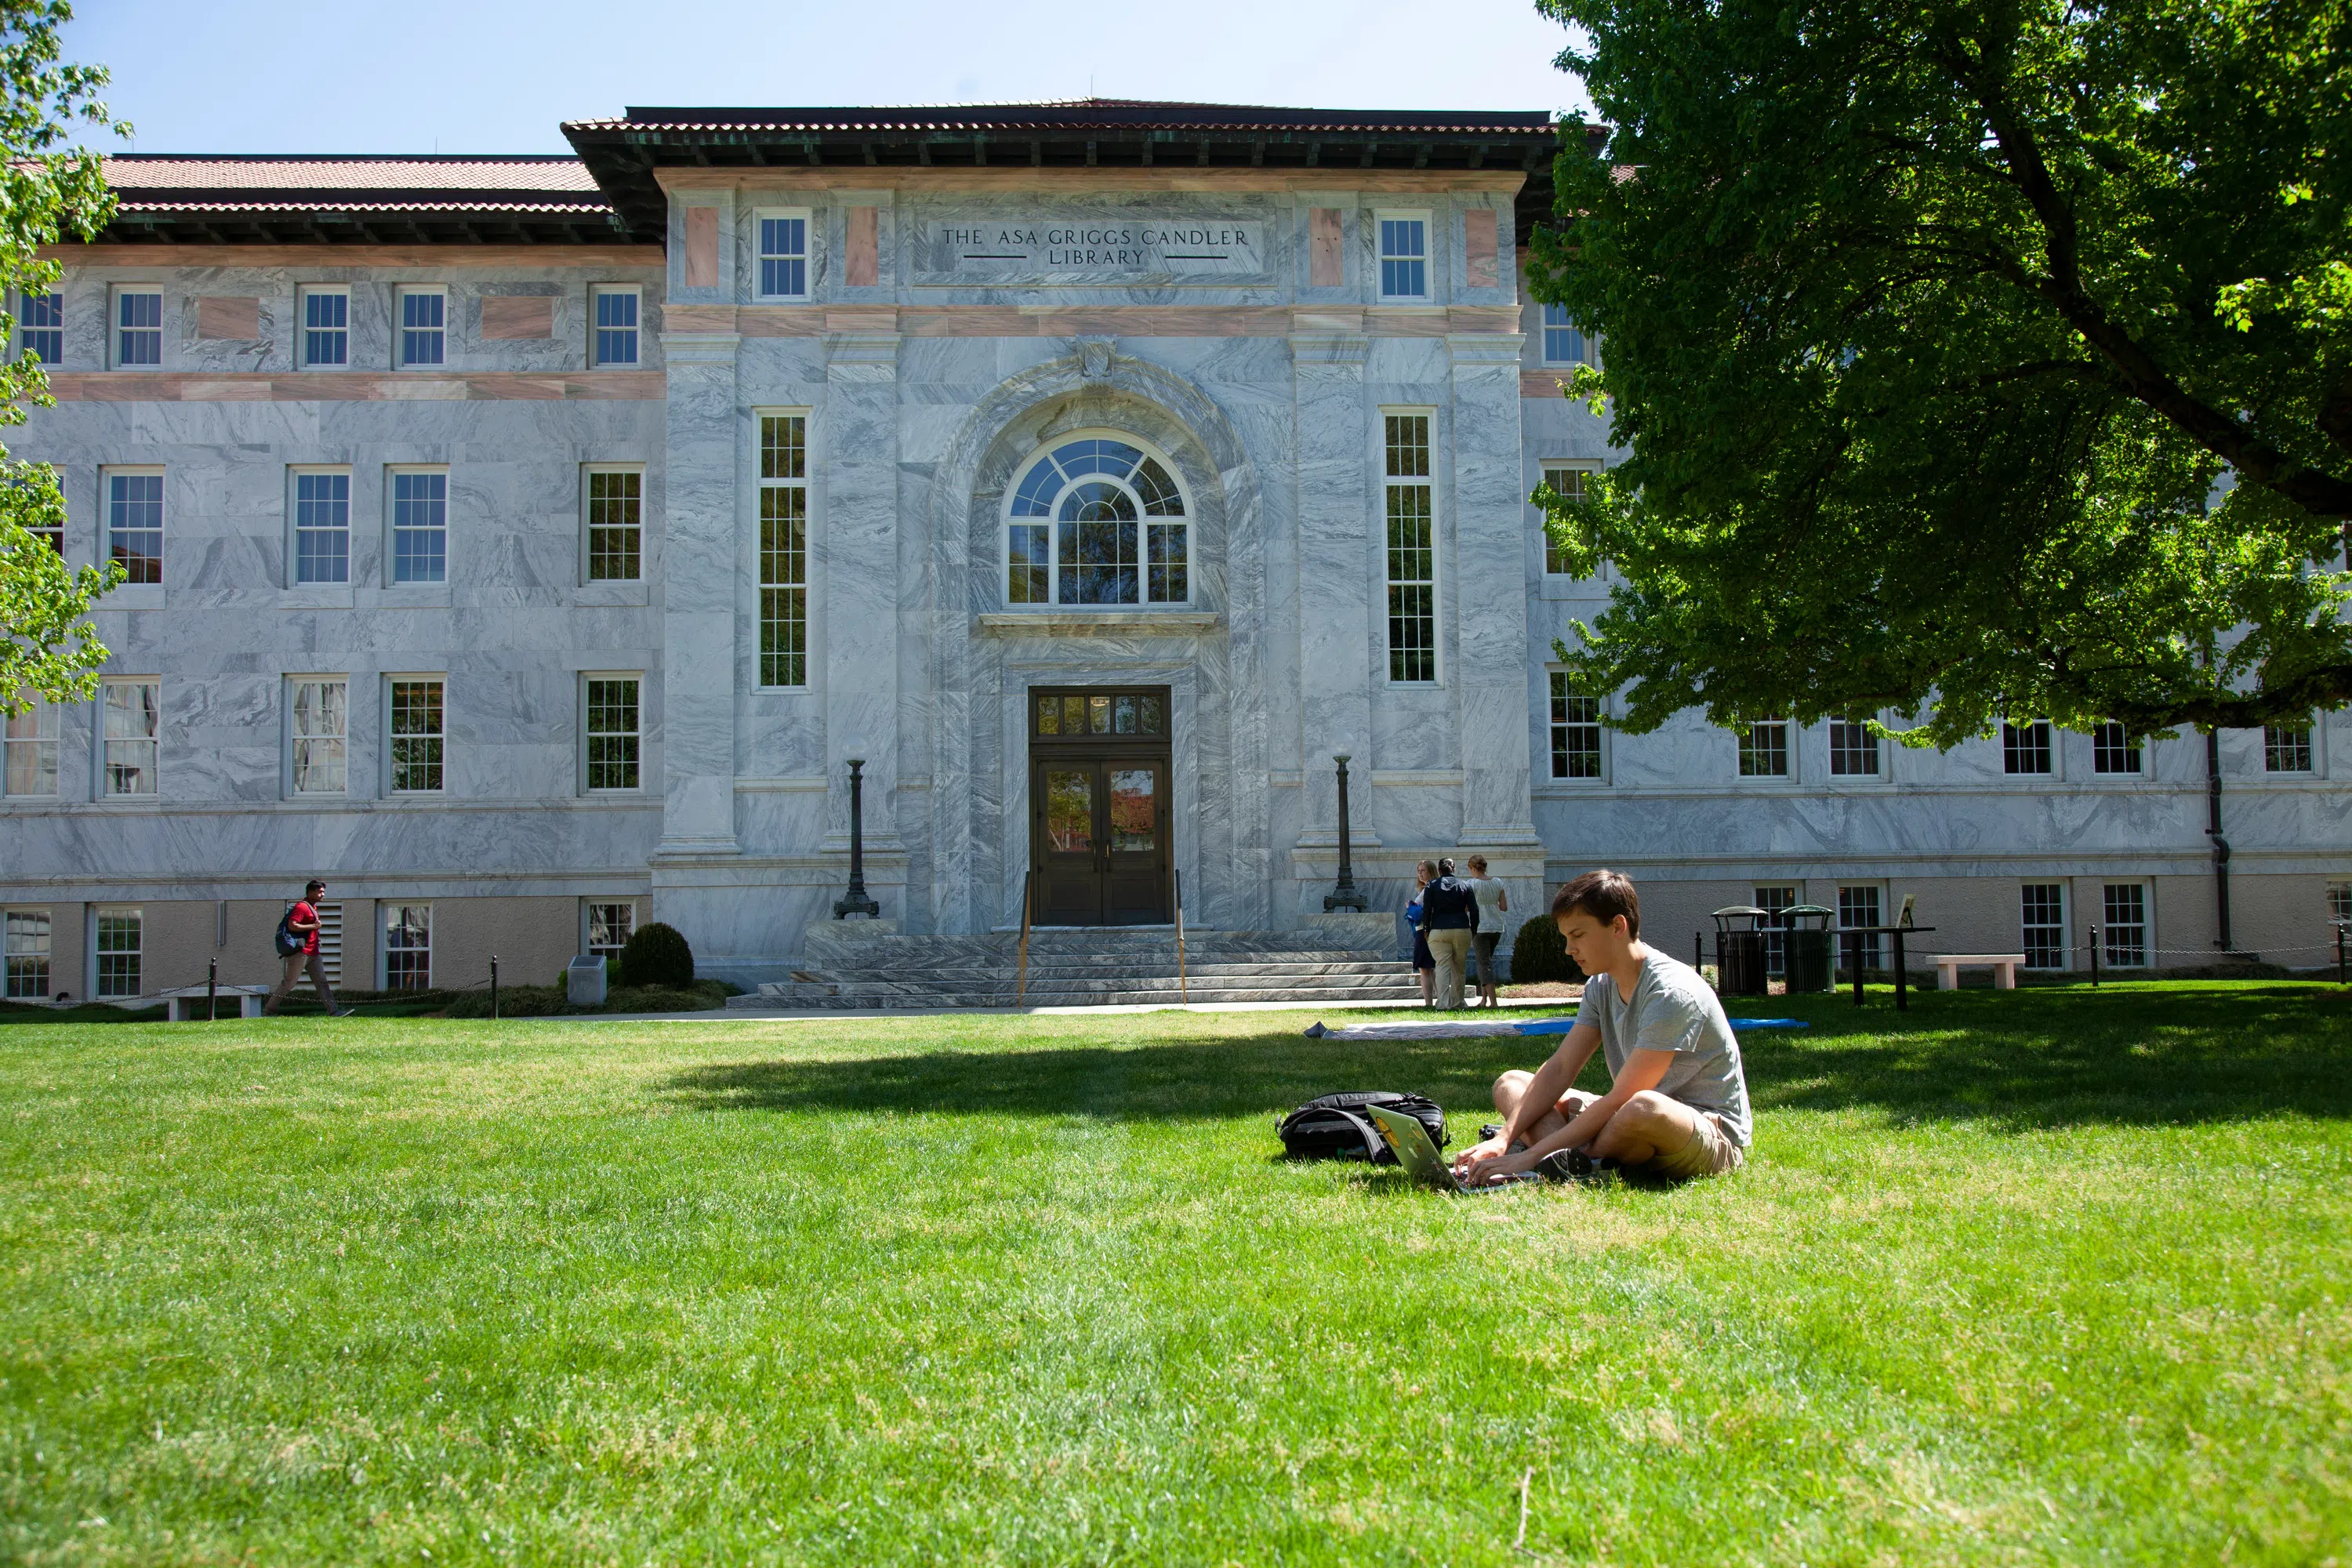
<point x="1709" y="1153"/>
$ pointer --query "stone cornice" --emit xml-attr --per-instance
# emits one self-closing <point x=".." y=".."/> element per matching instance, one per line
<point x="1064" y="181"/>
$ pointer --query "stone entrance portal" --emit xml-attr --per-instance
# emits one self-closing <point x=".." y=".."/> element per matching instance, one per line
<point x="1098" y="794"/>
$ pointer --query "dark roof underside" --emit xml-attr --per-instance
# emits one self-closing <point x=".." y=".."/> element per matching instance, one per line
<point x="449" y="199"/>
<point x="624" y="153"/>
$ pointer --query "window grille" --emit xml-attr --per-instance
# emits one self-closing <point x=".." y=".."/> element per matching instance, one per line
<point x="2123" y="932"/>
<point x="2025" y="748"/>
<point x="1764" y="751"/>
<point x="1564" y="341"/>
<point x="1098" y="522"/>
<point x="118" y="954"/>
<point x="417" y="737"/>
<point x="2042" y="920"/>
<point x="783" y="258"/>
<point x="2286" y="747"/>
<point x="31" y="745"/>
<point x="784" y="550"/>
<point x="137" y="329"/>
<point x="2114" y="750"/>
<point x="40" y="327"/>
<point x="615" y="524"/>
<point x="609" y="926"/>
<point x="420" y="526"/>
<point x="326" y="327"/>
<point x="1853" y="749"/>
<point x="408" y="947"/>
<point x="1569" y="483"/>
<point x="1412" y="552"/>
<point x="134" y="525"/>
<point x="321" y="711"/>
<point x="1776" y="947"/>
<point x="1859" y="907"/>
<point x="1404" y="257"/>
<point x="423" y="326"/>
<point x="1575" y="732"/>
<point x="616" y="326"/>
<point x="132" y="724"/>
<point x="27" y="957"/>
<point x="613" y="731"/>
<point x="322" y="527"/>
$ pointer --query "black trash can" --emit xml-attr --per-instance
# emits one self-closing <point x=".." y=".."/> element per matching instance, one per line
<point x="1808" y="949"/>
<point x="1739" y="950"/>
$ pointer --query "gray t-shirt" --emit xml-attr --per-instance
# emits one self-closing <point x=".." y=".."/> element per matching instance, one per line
<point x="1672" y="1009"/>
<point x="1490" y="902"/>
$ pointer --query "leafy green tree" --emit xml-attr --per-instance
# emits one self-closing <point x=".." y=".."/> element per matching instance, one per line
<point x="47" y="188"/>
<point x="1974" y="358"/>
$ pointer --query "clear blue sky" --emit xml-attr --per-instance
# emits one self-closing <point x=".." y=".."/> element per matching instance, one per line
<point x="496" y="76"/>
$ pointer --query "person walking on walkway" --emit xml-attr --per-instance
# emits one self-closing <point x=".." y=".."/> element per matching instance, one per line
<point x="1494" y="903"/>
<point x="1450" y="909"/>
<point x="302" y="926"/>
<point x="1425" y="962"/>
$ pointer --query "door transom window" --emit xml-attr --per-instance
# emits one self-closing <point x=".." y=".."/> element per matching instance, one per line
<point x="1098" y="520"/>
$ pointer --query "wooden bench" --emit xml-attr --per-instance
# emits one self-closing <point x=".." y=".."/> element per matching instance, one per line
<point x="2002" y="965"/>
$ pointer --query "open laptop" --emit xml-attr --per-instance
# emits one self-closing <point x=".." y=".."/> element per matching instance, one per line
<point x="1418" y="1158"/>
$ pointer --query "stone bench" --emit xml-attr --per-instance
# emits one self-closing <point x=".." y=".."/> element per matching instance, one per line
<point x="183" y="1000"/>
<point x="2002" y="965"/>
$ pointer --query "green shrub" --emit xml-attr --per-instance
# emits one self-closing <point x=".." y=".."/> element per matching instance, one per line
<point x="1538" y="954"/>
<point x="657" y="955"/>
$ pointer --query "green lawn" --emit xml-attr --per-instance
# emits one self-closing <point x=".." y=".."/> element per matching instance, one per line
<point x="2016" y="1277"/>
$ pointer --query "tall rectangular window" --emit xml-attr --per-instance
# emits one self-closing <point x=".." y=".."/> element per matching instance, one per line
<point x="1575" y="732"/>
<point x="138" y="328"/>
<point x="420" y="528"/>
<point x="615" y="524"/>
<point x="319" y="723"/>
<point x="2286" y="747"/>
<point x="2123" y="933"/>
<point x="784" y="550"/>
<point x="1858" y="908"/>
<point x="2025" y="748"/>
<point x="1404" y="258"/>
<point x="783" y="258"/>
<point x="1853" y="749"/>
<point x="134" y="525"/>
<point x="612" y="732"/>
<point x="131" y="714"/>
<point x="1568" y="484"/>
<point x="31" y="764"/>
<point x="41" y="327"/>
<point x="2114" y="750"/>
<point x="609" y="926"/>
<point x="28" y="957"/>
<point x="616" y="325"/>
<point x="2041" y="922"/>
<point x="423" y="326"/>
<point x="1412" y="552"/>
<point x="118" y="951"/>
<point x="408" y="947"/>
<point x="1764" y="751"/>
<point x="2340" y="903"/>
<point x="327" y="327"/>
<point x="1564" y="341"/>
<point x="1772" y="901"/>
<point x="322" y="527"/>
<point x="415" y="736"/>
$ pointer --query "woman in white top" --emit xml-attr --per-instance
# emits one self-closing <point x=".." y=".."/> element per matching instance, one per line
<point x="1494" y="903"/>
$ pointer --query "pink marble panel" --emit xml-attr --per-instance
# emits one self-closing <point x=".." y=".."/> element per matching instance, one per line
<point x="1326" y="261"/>
<point x="231" y="317"/>
<point x="518" y="316"/>
<point x="702" y="247"/>
<point x="1479" y="247"/>
<point x="863" y="262"/>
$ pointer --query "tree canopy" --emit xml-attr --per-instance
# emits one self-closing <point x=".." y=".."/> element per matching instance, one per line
<point x="47" y="188"/>
<point x="1971" y="359"/>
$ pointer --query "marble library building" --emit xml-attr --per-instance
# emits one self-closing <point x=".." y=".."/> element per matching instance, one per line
<point x="527" y="545"/>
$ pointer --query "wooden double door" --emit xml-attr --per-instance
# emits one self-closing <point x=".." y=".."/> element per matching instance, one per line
<point x="1098" y="796"/>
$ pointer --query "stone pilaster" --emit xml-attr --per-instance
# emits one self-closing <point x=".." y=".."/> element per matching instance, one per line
<point x="700" y="582"/>
<point x="1335" y="645"/>
<point x="860" y="527"/>
<point x="1490" y="586"/>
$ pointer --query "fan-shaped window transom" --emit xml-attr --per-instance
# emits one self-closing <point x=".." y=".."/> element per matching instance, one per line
<point x="1098" y="520"/>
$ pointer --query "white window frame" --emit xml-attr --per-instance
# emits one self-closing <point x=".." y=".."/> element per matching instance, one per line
<point x="1787" y="750"/>
<point x="1145" y="520"/>
<point x="1873" y="951"/>
<point x="98" y="914"/>
<point x="2339" y="896"/>
<point x="15" y="960"/>
<point x="588" y="922"/>
<point x="32" y="735"/>
<point x="1578" y="470"/>
<point x="2064" y="926"/>
<point x="1828" y="743"/>
<point x="1433" y="482"/>
<point x="760" y="218"/>
<point x="303" y="298"/>
<point x="25" y="342"/>
<point x="1546" y="326"/>
<point x="103" y="753"/>
<point x="2310" y="769"/>
<point x="106" y="477"/>
<point x="392" y="741"/>
<point x="1555" y="692"/>
<point x="2147" y="924"/>
<point x="782" y="484"/>
<point x="400" y="295"/>
<point x="2137" y="745"/>
<point x="637" y="329"/>
<point x="393" y="918"/>
<point x="587" y="680"/>
<point x="295" y="475"/>
<point x="1776" y="931"/>
<point x="2022" y="740"/>
<point x="115" y="329"/>
<point x="1428" y="259"/>
<point x="326" y="751"/>
<point x="393" y="474"/>
<point x="589" y="473"/>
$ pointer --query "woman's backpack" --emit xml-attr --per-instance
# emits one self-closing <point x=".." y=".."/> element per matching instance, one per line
<point x="289" y="940"/>
<point x="1332" y="1127"/>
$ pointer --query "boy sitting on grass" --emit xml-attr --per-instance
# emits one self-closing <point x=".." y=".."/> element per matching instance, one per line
<point x="1677" y="1100"/>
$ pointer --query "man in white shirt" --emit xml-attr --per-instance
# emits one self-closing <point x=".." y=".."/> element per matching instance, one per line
<point x="1678" y="1099"/>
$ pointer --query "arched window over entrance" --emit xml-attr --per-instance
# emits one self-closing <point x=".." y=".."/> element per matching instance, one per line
<point x="1097" y="519"/>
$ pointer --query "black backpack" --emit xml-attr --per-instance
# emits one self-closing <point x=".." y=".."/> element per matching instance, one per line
<point x="287" y="942"/>
<point x="1330" y="1127"/>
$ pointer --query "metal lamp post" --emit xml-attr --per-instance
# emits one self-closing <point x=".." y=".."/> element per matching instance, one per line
<point x="856" y="901"/>
<point x="1343" y="894"/>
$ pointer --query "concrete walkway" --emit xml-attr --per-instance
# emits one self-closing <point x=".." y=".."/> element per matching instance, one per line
<point x="1535" y="1005"/>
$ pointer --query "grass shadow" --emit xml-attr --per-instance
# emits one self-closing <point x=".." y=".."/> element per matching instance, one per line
<point x="2145" y="1057"/>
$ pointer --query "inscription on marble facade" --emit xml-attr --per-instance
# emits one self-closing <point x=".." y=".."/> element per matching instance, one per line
<point x="1091" y="250"/>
